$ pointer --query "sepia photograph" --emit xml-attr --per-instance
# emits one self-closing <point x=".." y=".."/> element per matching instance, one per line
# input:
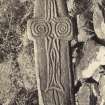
<point x="52" y="52"/>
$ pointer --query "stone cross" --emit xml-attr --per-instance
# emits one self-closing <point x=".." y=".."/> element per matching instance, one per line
<point x="51" y="30"/>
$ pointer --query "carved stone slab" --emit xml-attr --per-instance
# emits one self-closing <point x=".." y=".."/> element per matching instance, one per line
<point x="51" y="31"/>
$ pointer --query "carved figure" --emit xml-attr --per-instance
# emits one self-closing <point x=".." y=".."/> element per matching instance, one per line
<point x="51" y="31"/>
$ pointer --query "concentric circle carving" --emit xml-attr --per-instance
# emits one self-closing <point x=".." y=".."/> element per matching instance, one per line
<point x="63" y="28"/>
<point x="40" y="28"/>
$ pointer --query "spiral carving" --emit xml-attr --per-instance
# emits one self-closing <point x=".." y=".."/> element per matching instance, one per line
<point x="60" y="28"/>
<point x="63" y="29"/>
<point x="40" y="28"/>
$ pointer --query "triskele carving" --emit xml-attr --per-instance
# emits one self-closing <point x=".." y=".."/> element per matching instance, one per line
<point x="61" y="28"/>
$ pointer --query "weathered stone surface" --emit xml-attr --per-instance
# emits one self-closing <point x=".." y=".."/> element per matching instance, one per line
<point x="51" y="31"/>
<point x="17" y="75"/>
<point x="18" y="85"/>
<point x="83" y="95"/>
